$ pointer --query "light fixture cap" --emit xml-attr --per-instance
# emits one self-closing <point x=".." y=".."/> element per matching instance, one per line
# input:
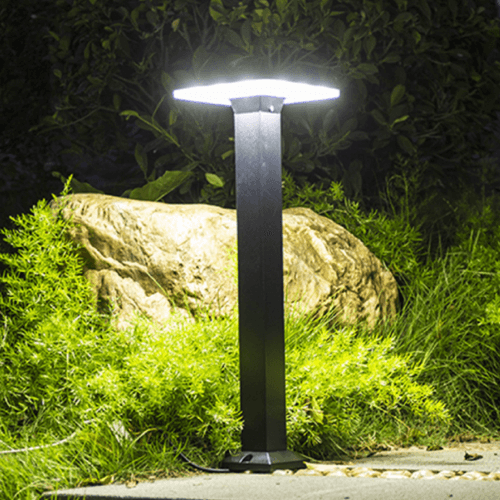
<point x="222" y="93"/>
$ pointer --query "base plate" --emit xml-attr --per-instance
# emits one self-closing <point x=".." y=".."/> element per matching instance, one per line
<point x="263" y="461"/>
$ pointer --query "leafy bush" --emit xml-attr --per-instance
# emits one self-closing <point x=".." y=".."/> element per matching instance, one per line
<point x="431" y="372"/>
<point x="60" y="360"/>
<point x="185" y="382"/>
<point x="344" y="383"/>
<point x="182" y="381"/>
<point x="449" y="322"/>
<point x="413" y="76"/>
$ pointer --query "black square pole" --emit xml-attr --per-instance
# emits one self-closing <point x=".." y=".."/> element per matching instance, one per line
<point x="257" y="122"/>
<point x="257" y="108"/>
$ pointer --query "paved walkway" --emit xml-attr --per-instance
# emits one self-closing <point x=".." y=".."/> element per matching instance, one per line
<point x="454" y="476"/>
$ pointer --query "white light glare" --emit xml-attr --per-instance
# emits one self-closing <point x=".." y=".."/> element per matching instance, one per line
<point x="221" y="93"/>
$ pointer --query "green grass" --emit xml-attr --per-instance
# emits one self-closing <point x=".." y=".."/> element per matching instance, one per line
<point x="452" y="325"/>
<point x="131" y="400"/>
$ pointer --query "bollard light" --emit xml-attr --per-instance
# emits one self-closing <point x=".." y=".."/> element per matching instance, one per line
<point x="257" y="106"/>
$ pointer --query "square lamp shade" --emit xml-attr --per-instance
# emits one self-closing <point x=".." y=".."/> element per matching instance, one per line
<point x="222" y="93"/>
<point x="257" y="106"/>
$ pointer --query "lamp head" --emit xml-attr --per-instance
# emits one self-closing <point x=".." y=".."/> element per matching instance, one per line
<point x="222" y="93"/>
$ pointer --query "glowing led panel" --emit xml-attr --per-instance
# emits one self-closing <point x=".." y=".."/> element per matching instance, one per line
<point x="222" y="93"/>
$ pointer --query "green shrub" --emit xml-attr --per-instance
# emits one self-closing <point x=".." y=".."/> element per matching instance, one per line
<point x="61" y="360"/>
<point x="49" y="327"/>
<point x="393" y="239"/>
<point x="345" y="384"/>
<point x="451" y="322"/>
<point x="184" y="381"/>
<point x="433" y="371"/>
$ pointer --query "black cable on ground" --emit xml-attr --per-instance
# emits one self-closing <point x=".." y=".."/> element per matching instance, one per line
<point x="196" y="466"/>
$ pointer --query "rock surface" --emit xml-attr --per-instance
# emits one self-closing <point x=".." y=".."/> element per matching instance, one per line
<point x="156" y="258"/>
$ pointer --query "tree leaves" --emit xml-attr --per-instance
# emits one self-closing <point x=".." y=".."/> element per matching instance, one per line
<point x="405" y="144"/>
<point x="215" y="180"/>
<point x="369" y="43"/>
<point x="233" y="38"/>
<point x="397" y="94"/>
<point x="367" y="68"/>
<point x="156" y="190"/>
<point x="401" y="20"/>
<point x="379" y="117"/>
<point x="246" y="32"/>
<point x="424" y="7"/>
<point x="76" y="185"/>
<point x="141" y="158"/>
<point x="149" y="123"/>
<point x="401" y="85"/>
<point x="391" y="58"/>
<point x="217" y="11"/>
<point x="399" y="120"/>
<point x="282" y="6"/>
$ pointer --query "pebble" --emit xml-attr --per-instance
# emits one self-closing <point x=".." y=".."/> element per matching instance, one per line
<point x="346" y="471"/>
<point x="338" y="473"/>
<point x="473" y="475"/>
<point x="423" y="474"/>
<point x="283" y="472"/>
<point x="445" y="474"/>
<point x="308" y="472"/>
<point x="396" y="474"/>
<point x="368" y="473"/>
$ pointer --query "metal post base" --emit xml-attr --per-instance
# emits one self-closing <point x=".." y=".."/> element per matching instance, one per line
<point x="263" y="461"/>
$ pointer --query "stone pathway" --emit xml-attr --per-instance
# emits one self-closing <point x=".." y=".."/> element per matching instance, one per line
<point x="458" y="461"/>
<point x="349" y="471"/>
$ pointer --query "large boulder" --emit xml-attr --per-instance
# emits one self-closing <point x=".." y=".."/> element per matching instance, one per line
<point x="157" y="259"/>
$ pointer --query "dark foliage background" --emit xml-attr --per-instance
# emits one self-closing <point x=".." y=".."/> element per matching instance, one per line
<point x="86" y="86"/>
